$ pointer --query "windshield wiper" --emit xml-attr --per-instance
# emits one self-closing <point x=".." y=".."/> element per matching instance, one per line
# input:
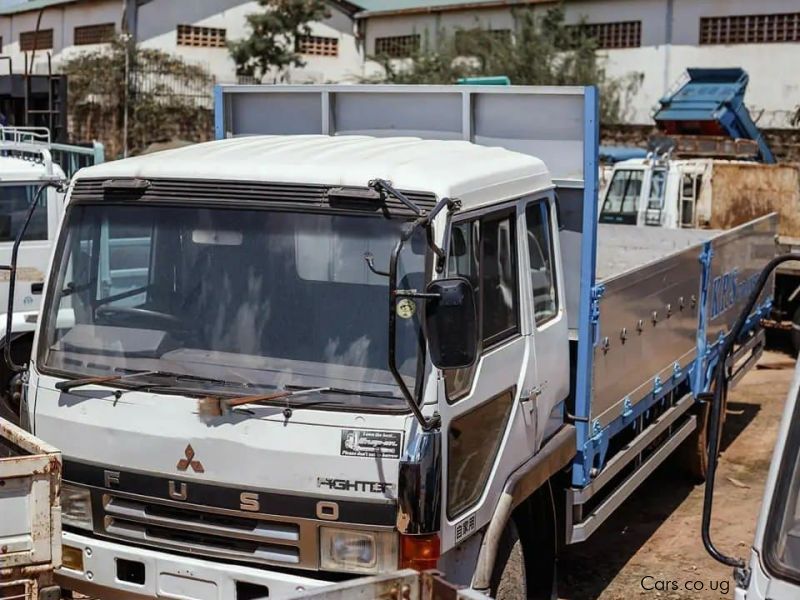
<point x="213" y="406"/>
<point x="348" y="392"/>
<point x="65" y="386"/>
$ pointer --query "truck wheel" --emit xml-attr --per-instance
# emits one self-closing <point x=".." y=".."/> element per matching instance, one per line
<point x="796" y="330"/>
<point x="526" y="560"/>
<point x="694" y="451"/>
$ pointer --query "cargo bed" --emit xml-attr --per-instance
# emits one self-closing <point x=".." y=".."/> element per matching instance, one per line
<point x="30" y="514"/>
<point x="662" y="301"/>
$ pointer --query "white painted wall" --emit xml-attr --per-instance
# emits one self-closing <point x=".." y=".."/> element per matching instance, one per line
<point x="158" y="21"/>
<point x="774" y="90"/>
<point x="157" y="29"/>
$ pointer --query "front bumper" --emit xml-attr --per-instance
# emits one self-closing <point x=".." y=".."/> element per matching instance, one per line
<point x="170" y="576"/>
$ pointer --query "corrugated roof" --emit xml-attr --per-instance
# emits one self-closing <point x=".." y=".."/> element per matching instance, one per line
<point x="32" y="5"/>
<point x="378" y="7"/>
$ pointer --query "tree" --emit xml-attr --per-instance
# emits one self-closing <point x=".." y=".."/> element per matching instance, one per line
<point x="271" y="47"/>
<point x="541" y="51"/>
<point x="164" y="97"/>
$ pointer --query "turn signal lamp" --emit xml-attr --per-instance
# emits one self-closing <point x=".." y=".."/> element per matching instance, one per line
<point x="72" y="558"/>
<point x="420" y="552"/>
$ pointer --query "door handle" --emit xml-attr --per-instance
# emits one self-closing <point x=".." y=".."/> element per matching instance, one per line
<point x="36" y="288"/>
<point x="533" y="392"/>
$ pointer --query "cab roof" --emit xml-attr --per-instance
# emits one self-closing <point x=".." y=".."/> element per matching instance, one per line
<point x="475" y="174"/>
<point x="19" y="169"/>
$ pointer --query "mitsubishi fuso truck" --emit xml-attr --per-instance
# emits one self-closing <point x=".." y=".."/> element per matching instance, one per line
<point x="369" y="328"/>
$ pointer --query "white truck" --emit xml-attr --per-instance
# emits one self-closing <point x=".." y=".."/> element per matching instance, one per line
<point x="26" y="167"/>
<point x="368" y="328"/>
<point x="773" y="568"/>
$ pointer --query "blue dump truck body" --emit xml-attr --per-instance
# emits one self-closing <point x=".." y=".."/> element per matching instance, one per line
<point x="711" y="102"/>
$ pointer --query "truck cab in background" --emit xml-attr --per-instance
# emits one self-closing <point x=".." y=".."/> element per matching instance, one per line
<point x="26" y="167"/>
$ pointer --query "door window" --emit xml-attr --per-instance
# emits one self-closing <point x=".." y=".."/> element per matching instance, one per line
<point x="14" y="203"/>
<point x="483" y="251"/>
<point x="622" y="199"/>
<point x="541" y="257"/>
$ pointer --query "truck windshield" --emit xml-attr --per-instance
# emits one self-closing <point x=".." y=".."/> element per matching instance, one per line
<point x="267" y="299"/>
<point x="14" y="203"/>
<point x="622" y="198"/>
<point x="782" y="538"/>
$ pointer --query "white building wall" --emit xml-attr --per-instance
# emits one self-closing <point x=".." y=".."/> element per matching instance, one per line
<point x="62" y="20"/>
<point x="158" y="21"/>
<point x="772" y="95"/>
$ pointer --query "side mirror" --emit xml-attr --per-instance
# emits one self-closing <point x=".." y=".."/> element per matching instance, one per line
<point x="451" y="323"/>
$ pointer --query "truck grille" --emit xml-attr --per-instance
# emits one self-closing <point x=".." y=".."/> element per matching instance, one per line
<point x="213" y="533"/>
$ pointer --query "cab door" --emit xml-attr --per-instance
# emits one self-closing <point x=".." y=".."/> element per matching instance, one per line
<point x="482" y="424"/>
<point x="34" y="251"/>
<point x="546" y="378"/>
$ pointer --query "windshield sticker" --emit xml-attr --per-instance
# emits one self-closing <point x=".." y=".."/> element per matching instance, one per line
<point x="406" y="308"/>
<point x="369" y="444"/>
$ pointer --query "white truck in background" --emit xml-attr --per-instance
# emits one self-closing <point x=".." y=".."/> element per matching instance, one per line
<point x="26" y="167"/>
<point x="388" y="333"/>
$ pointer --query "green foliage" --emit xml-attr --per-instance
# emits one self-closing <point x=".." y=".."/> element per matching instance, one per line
<point x="161" y="93"/>
<point x="273" y="31"/>
<point x="542" y="51"/>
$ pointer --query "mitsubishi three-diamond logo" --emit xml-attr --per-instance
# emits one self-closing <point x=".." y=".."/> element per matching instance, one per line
<point x="189" y="461"/>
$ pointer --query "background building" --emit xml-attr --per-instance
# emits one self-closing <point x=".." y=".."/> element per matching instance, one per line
<point x="658" y="39"/>
<point x="196" y="30"/>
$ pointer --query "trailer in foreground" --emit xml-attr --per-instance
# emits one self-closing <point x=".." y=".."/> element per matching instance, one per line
<point x="30" y="515"/>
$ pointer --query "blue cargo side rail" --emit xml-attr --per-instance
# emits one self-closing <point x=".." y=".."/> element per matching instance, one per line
<point x="658" y="310"/>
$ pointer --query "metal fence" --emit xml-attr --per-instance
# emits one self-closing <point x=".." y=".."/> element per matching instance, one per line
<point x="184" y="83"/>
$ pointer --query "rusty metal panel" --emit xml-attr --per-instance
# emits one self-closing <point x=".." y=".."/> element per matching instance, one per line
<point x="741" y="192"/>
<point x="30" y="475"/>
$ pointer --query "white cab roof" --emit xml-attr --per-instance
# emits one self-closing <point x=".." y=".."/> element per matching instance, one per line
<point x="475" y="174"/>
<point x="20" y="169"/>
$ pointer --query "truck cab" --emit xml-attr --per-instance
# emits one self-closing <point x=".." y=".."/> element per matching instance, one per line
<point x="655" y="192"/>
<point x="25" y="166"/>
<point x="774" y="566"/>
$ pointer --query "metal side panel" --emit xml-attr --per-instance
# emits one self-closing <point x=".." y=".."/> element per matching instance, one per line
<point x="543" y="121"/>
<point x="737" y="258"/>
<point x="30" y="523"/>
<point x="646" y="332"/>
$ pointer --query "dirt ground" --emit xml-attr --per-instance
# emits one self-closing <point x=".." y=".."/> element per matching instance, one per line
<point x="655" y="535"/>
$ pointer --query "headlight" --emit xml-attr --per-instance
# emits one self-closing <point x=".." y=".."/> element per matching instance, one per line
<point x="357" y="551"/>
<point x="76" y="506"/>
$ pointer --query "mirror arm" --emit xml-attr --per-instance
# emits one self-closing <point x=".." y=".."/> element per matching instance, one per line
<point x="394" y="293"/>
<point x="370" y="260"/>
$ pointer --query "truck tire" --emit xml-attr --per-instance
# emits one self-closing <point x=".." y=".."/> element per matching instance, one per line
<point x="694" y="451"/>
<point x="525" y="567"/>
<point x="796" y="330"/>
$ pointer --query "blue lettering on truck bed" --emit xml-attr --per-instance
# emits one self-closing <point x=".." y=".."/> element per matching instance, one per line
<point x="727" y="290"/>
